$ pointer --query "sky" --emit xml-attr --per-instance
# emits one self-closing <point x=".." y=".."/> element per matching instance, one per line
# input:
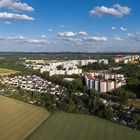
<point x="70" y="25"/>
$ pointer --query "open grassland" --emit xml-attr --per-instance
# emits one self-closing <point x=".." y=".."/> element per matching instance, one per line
<point x="5" y="72"/>
<point x="18" y="119"/>
<point x="65" y="126"/>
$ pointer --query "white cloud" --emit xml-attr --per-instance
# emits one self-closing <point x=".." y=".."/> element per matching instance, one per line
<point x="15" y="38"/>
<point x="96" y="38"/>
<point x="43" y="36"/>
<point x="131" y="34"/>
<point x="8" y="23"/>
<point x="50" y="30"/>
<point x="113" y="28"/>
<point x="2" y="38"/>
<point x="72" y="34"/>
<point x="20" y="38"/>
<point x="117" y="11"/>
<point x="36" y="41"/>
<point x="118" y="38"/>
<point x="12" y="4"/>
<point x="23" y="40"/>
<point x="122" y="28"/>
<point x="83" y="41"/>
<point x="83" y="33"/>
<point x="67" y="34"/>
<point x="79" y="38"/>
<point x="62" y="26"/>
<point x="73" y="39"/>
<point x="12" y="16"/>
<point x="134" y="36"/>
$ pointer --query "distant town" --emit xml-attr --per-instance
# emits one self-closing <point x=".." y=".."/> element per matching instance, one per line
<point x="99" y="86"/>
<point x="69" y="69"/>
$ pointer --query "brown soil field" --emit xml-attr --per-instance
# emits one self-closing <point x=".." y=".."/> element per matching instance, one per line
<point x="19" y="119"/>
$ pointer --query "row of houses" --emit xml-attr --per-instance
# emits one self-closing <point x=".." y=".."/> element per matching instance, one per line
<point x="32" y="83"/>
<point x="104" y="82"/>
<point x="127" y="59"/>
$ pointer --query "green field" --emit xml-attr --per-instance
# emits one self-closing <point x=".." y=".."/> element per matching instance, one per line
<point x="4" y="71"/>
<point x="19" y="119"/>
<point x="65" y="126"/>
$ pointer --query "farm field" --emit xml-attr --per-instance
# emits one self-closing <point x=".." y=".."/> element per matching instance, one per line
<point x="19" y="119"/>
<point x="4" y="71"/>
<point x="65" y="126"/>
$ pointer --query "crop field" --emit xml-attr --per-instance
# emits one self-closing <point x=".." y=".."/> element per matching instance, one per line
<point x="18" y="119"/>
<point x="6" y="72"/>
<point x="65" y="126"/>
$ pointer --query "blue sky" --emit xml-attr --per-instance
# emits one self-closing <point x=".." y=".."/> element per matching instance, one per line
<point x="69" y="25"/>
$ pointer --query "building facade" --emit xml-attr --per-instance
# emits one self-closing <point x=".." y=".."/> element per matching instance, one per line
<point x="104" y="82"/>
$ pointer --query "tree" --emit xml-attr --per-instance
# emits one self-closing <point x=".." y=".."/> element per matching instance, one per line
<point x="95" y="104"/>
<point x="93" y="92"/>
<point x="133" y="81"/>
<point x="136" y="117"/>
<point x="85" y="89"/>
<point x="108" y="112"/>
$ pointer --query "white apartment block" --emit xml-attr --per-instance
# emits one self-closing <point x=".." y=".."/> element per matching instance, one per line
<point x="65" y="72"/>
<point x="66" y="67"/>
<point x="127" y="59"/>
<point x="35" y="61"/>
<point x="103" y="61"/>
<point x="104" y="82"/>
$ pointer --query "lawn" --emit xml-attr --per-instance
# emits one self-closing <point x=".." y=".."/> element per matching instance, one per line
<point x="19" y="119"/>
<point x="6" y="72"/>
<point x="65" y="126"/>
